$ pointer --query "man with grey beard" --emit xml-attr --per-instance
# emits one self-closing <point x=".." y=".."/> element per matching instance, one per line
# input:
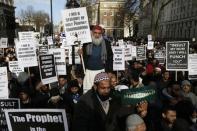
<point x="98" y="57"/>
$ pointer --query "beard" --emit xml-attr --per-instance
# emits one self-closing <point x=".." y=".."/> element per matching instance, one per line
<point x="97" y="41"/>
<point x="103" y="97"/>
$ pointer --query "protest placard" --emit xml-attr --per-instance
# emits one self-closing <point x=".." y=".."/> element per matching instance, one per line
<point x="135" y="95"/>
<point x="177" y="55"/>
<point x="75" y="21"/>
<point x="160" y="55"/>
<point x="140" y="53"/>
<point x="192" y="67"/>
<point x="50" y="40"/>
<point x="118" y="58"/>
<point x="3" y="83"/>
<point x="150" y="45"/>
<point x="26" y="36"/>
<point x="60" y="60"/>
<point x="43" y="49"/>
<point x="149" y="37"/>
<point x="47" y="69"/>
<point x="4" y="43"/>
<point x="128" y="53"/>
<point x="133" y="51"/>
<point x="36" y="120"/>
<point x="15" y="68"/>
<point x="4" y="105"/>
<point x="26" y="53"/>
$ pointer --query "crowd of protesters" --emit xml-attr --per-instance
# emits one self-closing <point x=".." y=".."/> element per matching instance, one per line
<point x="91" y="103"/>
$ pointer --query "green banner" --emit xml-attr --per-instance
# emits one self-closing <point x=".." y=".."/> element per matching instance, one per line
<point x="136" y="95"/>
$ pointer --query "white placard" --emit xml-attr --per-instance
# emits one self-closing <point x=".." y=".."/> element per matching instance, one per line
<point x="26" y="36"/>
<point x="133" y="51"/>
<point x="121" y="42"/>
<point x="75" y="21"/>
<point x="4" y="43"/>
<point x="150" y="45"/>
<point x="77" y="57"/>
<point x="15" y="68"/>
<point x="26" y="54"/>
<point x="192" y="66"/>
<point x="128" y="53"/>
<point x="150" y="37"/>
<point x="50" y="40"/>
<point x="60" y="60"/>
<point x="3" y="83"/>
<point x="118" y="59"/>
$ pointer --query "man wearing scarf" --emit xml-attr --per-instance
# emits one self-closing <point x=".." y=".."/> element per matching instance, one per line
<point x="98" y="57"/>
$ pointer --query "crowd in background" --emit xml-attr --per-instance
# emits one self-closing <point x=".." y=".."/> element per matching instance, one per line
<point x="174" y="109"/>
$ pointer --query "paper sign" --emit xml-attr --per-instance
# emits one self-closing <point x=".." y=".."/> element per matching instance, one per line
<point x="36" y="120"/>
<point x="4" y="105"/>
<point x="47" y="69"/>
<point x="4" y="43"/>
<point x="150" y="45"/>
<point x="26" y="36"/>
<point x="140" y="53"/>
<point x="60" y="60"/>
<point x="75" y="21"/>
<point x="26" y="53"/>
<point x="3" y="83"/>
<point x="192" y="66"/>
<point x="50" y="40"/>
<point x="128" y="53"/>
<point x="118" y="59"/>
<point x="15" y="68"/>
<point x="177" y="55"/>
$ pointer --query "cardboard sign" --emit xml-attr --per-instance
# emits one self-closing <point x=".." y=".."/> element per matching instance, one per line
<point x="140" y="53"/>
<point x="36" y="120"/>
<point x="4" y="105"/>
<point x="15" y="68"/>
<point x="26" y="53"/>
<point x="118" y="59"/>
<point x="60" y="60"/>
<point x="136" y="95"/>
<point x="4" y="43"/>
<point x="192" y="67"/>
<point x="128" y="53"/>
<point x="47" y="69"/>
<point x="43" y="49"/>
<point x="75" y="21"/>
<point x="177" y="55"/>
<point x="3" y="83"/>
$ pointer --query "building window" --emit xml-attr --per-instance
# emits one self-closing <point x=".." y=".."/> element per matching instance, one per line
<point x="111" y="13"/>
<point x="104" y="13"/>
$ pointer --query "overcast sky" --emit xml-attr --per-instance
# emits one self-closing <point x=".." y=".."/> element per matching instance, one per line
<point x="58" y="5"/>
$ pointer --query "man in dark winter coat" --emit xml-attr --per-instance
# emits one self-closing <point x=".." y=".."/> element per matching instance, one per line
<point x="95" y="110"/>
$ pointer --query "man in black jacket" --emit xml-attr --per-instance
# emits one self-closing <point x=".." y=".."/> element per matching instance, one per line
<point x="98" y="57"/>
<point x="96" y="111"/>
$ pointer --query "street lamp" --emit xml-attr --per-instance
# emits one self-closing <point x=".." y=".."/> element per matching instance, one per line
<point x="51" y="3"/>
